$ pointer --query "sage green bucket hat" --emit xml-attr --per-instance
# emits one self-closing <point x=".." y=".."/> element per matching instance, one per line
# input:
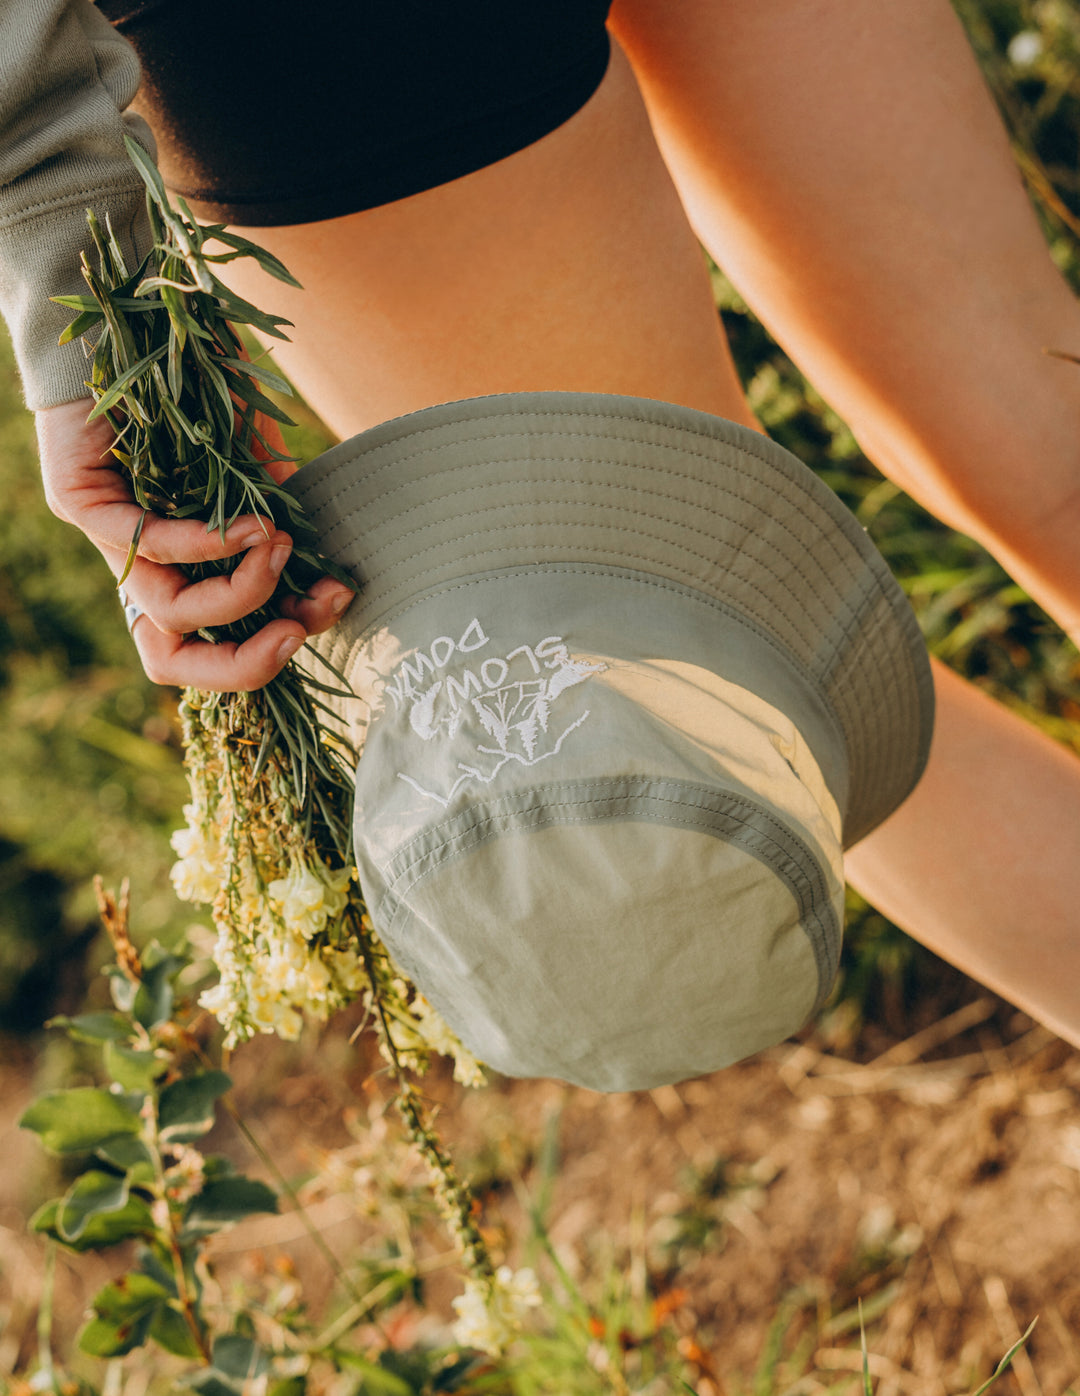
<point x="629" y="678"/>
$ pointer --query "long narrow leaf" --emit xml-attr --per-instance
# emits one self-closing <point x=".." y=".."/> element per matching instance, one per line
<point x="1006" y="1361"/>
<point x="266" y="260"/>
<point x="80" y="325"/>
<point x="133" y="550"/>
<point x="116" y="392"/>
<point x="264" y="375"/>
<point x="246" y="390"/>
<point x="149" y="171"/>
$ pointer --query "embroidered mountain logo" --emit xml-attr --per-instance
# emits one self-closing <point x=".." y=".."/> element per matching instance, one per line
<point x="490" y="710"/>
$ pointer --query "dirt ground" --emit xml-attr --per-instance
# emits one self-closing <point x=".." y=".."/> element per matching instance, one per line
<point x="936" y="1176"/>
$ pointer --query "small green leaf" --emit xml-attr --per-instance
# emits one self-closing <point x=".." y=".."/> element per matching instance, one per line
<point x="147" y="169"/>
<point x="266" y="260"/>
<point x="125" y="1151"/>
<point x="91" y="1194"/>
<point x="247" y="392"/>
<point x="101" y="1231"/>
<point x="154" y="1000"/>
<point x="124" y="1312"/>
<point x="79" y="1120"/>
<point x="1006" y="1361"/>
<point x="156" y="1260"/>
<point x="103" y="1339"/>
<point x="242" y="312"/>
<point x="171" y="1330"/>
<point x="93" y="1027"/>
<point x="289" y="1386"/>
<point x="157" y="283"/>
<point x="121" y="989"/>
<point x="186" y="1107"/>
<point x="226" y="1200"/>
<point x="129" y="1296"/>
<point x="131" y="1068"/>
<point x="238" y="1357"/>
<point x="80" y="303"/>
<point x="90" y="304"/>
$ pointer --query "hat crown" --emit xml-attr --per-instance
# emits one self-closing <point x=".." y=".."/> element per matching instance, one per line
<point x="628" y="676"/>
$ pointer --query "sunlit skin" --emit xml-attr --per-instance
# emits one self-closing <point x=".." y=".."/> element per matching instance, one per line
<point x="845" y="165"/>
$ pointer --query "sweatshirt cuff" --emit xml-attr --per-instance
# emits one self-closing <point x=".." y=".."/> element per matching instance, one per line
<point x="53" y="373"/>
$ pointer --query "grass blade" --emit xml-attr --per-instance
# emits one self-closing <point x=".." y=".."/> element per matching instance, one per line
<point x="133" y="550"/>
<point x="1006" y="1362"/>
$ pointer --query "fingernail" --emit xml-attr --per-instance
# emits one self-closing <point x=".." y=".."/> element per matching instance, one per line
<point x="251" y="540"/>
<point x="340" y="602"/>
<point x="279" y="556"/>
<point x="288" y="648"/>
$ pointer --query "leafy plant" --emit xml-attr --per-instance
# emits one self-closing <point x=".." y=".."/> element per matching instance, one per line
<point x="143" y="1179"/>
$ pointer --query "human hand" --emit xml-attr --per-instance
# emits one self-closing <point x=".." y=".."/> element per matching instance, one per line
<point x="84" y="487"/>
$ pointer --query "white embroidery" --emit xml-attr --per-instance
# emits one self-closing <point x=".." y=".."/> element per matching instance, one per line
<point x="470" y="773"/>
<point x="509" y="697"/>
<point x="410" y="673"/>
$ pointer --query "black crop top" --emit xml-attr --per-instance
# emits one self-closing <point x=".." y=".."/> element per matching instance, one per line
<point x="265" y="117"/>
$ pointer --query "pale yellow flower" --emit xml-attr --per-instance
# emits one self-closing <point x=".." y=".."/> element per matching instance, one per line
<point x="200" y="871"/>
<point x="349" y="971"/>
<point x="307" y="898"/>
<point x="435" y="1031"/>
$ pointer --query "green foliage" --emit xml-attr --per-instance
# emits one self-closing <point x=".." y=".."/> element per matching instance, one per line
<point x="225" y="1200"/>
<point x="153" y="1186"/>
<point x="100" y="1229"/>
<point x="186" y="1106"/>
<point x="124" y="1313"/>
<point x="79" y="1120"/>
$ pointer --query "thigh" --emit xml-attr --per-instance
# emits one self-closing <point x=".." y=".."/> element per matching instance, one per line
<point x="568" y="265"/>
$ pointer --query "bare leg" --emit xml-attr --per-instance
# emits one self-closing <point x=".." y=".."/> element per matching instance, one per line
<point x="570" y="265"/>
<point x="998" y="896"/>
<point x="845" y="165"/>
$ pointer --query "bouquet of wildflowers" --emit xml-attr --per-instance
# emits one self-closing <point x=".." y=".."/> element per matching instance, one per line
<point x="267" y="842"/>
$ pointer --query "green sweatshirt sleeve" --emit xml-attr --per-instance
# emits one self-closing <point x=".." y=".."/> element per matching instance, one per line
<point x="66" y="78"/>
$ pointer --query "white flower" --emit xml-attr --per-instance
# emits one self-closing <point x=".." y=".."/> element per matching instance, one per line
<point x="216" y="1000"/>
<point x="307" y="898"/>
<point x="489" y="1323"/>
